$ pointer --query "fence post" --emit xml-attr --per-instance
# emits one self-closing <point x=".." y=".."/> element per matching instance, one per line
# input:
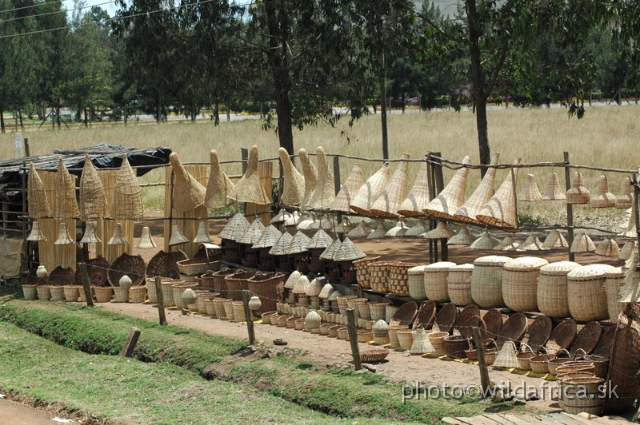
<point x="336" y="181"/>
<point x="431" y="196"/>
<point x="567" y="181"/>
<point x="635" y="202"/>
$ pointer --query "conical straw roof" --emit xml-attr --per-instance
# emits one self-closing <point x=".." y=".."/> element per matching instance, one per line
<point x="146" y="241"/>
<point x="252" y="234"/>
<point x="501" y="210"/>
<point x="310" y="176"/>
<point x="451" y="198"/>
<point x="486" y="241"/>
<point x="308" y="221"/>
<point x="93" y="200"/>
<point x="281" y="217"/>
<point x="625" y="200"/>
<point x="203" y="233"/>
<point x="627" y="250"/>
<point x="386" y="205"/>
<point x="348" y="252"/>
<point x="293" y="186"/>
<point x="127" y="193"/>
<point x="552" y="190"/>
<point x="268" y="238"/>
<point x="177" y="237"/>
<point x="417" y="230"/>
<point x="378" y="233"/>
<point x="63" y="235"/>
<point x="323" y="196"/>
<point x="440" y="232"/>
<point x="298" y="243"/>
<point x="331" y="250"/>
<point x="219" y="185"/>
<point x="292" y="279"/>
<point x="555" y="240"/>
<point x="90" y="234"/>
<point x="604" y="198"/>
<point x="236" y="227"/>
<point x="418" y="197"/>
<point x="370" y="190"/>
<point x="397" y="231"/>
<point x="463" y="237"/>
<point x="280" y="248"/>
<point x="188" y="193"/>
<point x="480" y="197"/>
<point x="344" y="227"/>
<point x="36" y="234"/>
<point x="582" y="243"/>
<point x="507" y="244"/>
<point x="118" y="238"/>
<point x="530" y="191"/>
<point x="320" y="239"/>
<point x="292" y="219"/>
<point x="66" y="205"/>
<point x="249" y="188"/>
<point x="578" y="194"/>
<point x="362" y="230"/>
<point x="348" y="190"/>
<point x="39" y="206"/>
<point x="532" y="243"/>
<point x="608" y="248"/>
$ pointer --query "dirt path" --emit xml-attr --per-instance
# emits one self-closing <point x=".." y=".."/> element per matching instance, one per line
<point x="13" y="413"/>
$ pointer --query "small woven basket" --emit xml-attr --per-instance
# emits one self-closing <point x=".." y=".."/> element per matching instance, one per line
<point x="57" y="293"/>
<point x="455" y="345"/>
<point x="374" y="355"/>
<point x="238" y="311"/>
<point x="362" y="271"/>
<point x="103" y="294"/>
<point x="218" y="305"/>
<point x="379" y="276"/>
<point x="524" y="356"/>
<point x="228" y="311"/>
<point x="540" y="363"/>
<point x="394" y="342"/>
<point x="71" y="293"/>
<point x="405" y="338"/>
<point x="137" y="294"/>
<point x="121" y="295"/>
<point x="178" y="290"/>
<point x="437" y="340"/>
<point x="398" y="278"/>
<point x="44" y="292"/>
<point x="555" y="360"/>
<point x="377" y="311"/>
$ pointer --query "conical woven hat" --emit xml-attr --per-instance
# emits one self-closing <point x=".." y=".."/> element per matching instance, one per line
<point x="188" y="193"/>
<point x="268" y="238"/>
<point x="378" y="233"/>
<point x="531" y="244"/>
<point x="530" y="191"/>
<point x="463" y="237"/>
<point x="252" y="234"/>
<point x="219" y="185"/>
<point x="90" y="234"/>
<point x="310" y="176"/>
<point x="440" y="232"/>
<point x="292" y="279"/>
<point x="36" y="234"/>
<point x="249" y="188"/>
<point x="203" y="233"/>
<point x="397" y="231"/>
<point x="578" y="194"/>
<point x="146" y="241"/>
<point x="348" y="252"/>
<point x="386" y="205"/>
<point x="344" y="227"/>
<point x="63" y="235"/>
<point x="451" y="198"/>
<point x="507" y="244"/>
<point x="348" y="190"/>
<point x="608" y="248"/>
<point x="307" y="222"/>
<point x="480" y="197"/>
<point x="280" y="248"/>
<point x="293" y="190"/>
<point x="39" y="206"/>
<point x="501" y="210"/>
<point x="66" y="205"/>
<point x="236" y="227"/>
<point x="281" y="217"/>
<point x="328" y="253"/>
<point x="127" y="194"/>
<point x="93" y="200"/>
<point x="625" y="200"/>
<point x="553" y="191"/>
<point x="627" y="249"/>
<point x="362" y="230"/>
<point x="323" y="196"/>
<point x="418" y="197"/>
<point x="298" y="243"/>
<point x="177" y="237"/>
<point x="370" y="191"/>
<point x="319" y="240"/>
<point x="118" y="238"/>
<point x="486" y="241"/>
<point x="555" y="240"/>
<point x="418" y="229"/>
<point x="603" y="199"/>
<point x="582" y="243"/>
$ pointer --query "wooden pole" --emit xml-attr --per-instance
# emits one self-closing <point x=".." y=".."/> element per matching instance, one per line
<point x="567" y="182"/>
<point x="635" y="204"/>
<point x="336" y="181"/>
<point x="485" y="382"/>
<point x="130" y="343"/>
<point x="353" y="338"/>
<point x="432" y="195"/>
<point x="86" y="284"/>
<point x="160" y="297"/>
<point x="246" y="295"/>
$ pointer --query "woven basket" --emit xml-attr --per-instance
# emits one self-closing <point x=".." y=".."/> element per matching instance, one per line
<point x="513" y="329"/>
<point x="398" y="278"/>
<point x="405" y="314"/>
<point x="377" y="311"/>
<point x="362" y="270"/>
<point x="269" y="287"/>
<point x="71" y="293"/>
<point x="405" y="339"/>
<point x="437" y="341"/>
<point x="393" y="335"/>
<point x="552" y="297"/>
<point x="415" y="283"/>
<point x="520" y="283"/>
<point x="461" y="321"/>
<point x="298" y="324"/>
<point x="363" y="309"/>
<point x="374" y="355"/>
<point x="103" y="294"/>
<point x="600" y="364"/>
<point x="44" y="292"/>
<point x="83" y="298"/>
<point x="218" y="305"/>
<point x="524" y="357"/>
<point x="587" y="339"/>
<point x="540" y="363"/>
<point x="455" y="345"/>
<point x="446" y="317"/>
<point x="120" y="295"/>
<point x="96" y="269"/>
<point x="539" y="332"/>
<point x="365" y="336"/>
<point x="555" y="360"/>
<point x="178" y="290"/>
<point x="219" y="282"/>
<point x="459" y="284"/>
<point x="61" y="276"/>
<point x="228" y="311"/>
<point x="583" y="395"/>
<point x="389" y="311"/>
<point x="57" y="293"/>
<point x="197" y="266"/>
<point x="236" y="283"/>
<point x="493" y="321"/>
<point x="435" y="281"/>
<point x="167" y="291"/>
<point x="238" y="311"/>
<point x="614" y="280"/>
<point x="138" y="294"/>
<point x="379" y="275"/>
<point x="127" y="265"/>
<point x="426" y="316"/>
<point x="587" y="294"/>
<point x="506" y="358"/>
<point x="578" y="194"/>
<point x="486" y="281"/>
<point x="166" y="264"/>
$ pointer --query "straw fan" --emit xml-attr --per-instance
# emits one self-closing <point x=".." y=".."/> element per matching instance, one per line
<point x="310" y="176"/>
<point x="293" y="185"/>
<point x="483" y="193"/>
<point x="386" y="205"/>
<point x="451" y="198"/>
<point x="348" y="190"/>
<point x="501" y="210"/>
<point x="218" y="186"/>
<point x="370" y="190"/>
<point x="249" y="188"/>
<point x="323" y="196"/>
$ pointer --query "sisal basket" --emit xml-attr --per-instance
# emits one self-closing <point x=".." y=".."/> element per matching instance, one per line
<point x="236" y="283"/>
<point x="556" y="361"/>
<point x="459" y="284"/>
<point x="415" y="283"/>
<point x="486" y="281"/>
<point x="228" y="310"/>
<point x="583" y="395"/>
<point x="138" y="294"/>
<point x="71" y="293"/>
<point x="57" y="293"/>
<point x="435" y="281"/>
<point x="398" y="278"/>
<point x="377" y="311"/>
<point x="437" y="341"/>
<point x="405" y="339"/>
<point x="455" y="345"/>
<point x="552" y="297"/>
<point x="121" y="295"/>
<point x="614" y="280"/>
<point x="587" y="294"/>
<point x="218" y="305"/>
<point x="379" y="275"/>
<point x="103" y="294"/>
<point x="520" y="283"/>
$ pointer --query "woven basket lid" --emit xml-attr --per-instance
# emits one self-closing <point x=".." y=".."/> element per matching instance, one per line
<point x="127" y="193"/>
<point x="493" y="320"/>
<point x="280" y="248"/>
<point x="555" y="239"/>
<point x="463" y="237"/>
<point x="93" y="199"/>
<point x="507" y="244"/>
<point x="625" y="200"/>
<point x="362" y="230"/>
<point x="218" y="186"/>
<point x="39" y="206"/>
<point x="66" y="205"/>
<point x="378" y="233"/>
<point x="236" y="227"/>
<point x="323" y="196"/>
<point x="603" y="199"/>
<point x="320" y="239"/>
<point x="483" y="193"/>
<point x="310" y="176"/>
<point x="281" y="217"/>
<point x="530" y="191"/>
<point x="564" y="333"/>
<point x="417" y="270"/>
<point x="539" y="332"/>
<point x="626" y="250"/>
<point x="465" y="314"/>
<point x="590" y="272"/>
<point x="501" y="210"/>
<point x="348" y="251"/>
<point x="440" y="266"/>
<point x="293" y="186"/>
<point x="331" y="250"/>
<point x="370" y="191"/>
<point x="348" y="190"/>
<point x="524" y="264"/>
<point x="306" y="221"/>
<point x="298" y="243"/>
<point x="252" y="234"/>
<point x="614" y="273"/>
<point x="292" y="279"/>
<point x="578" y="194"/>
<point x="326" y="291"/>
<point x="587" y="338"/>
<point x="582" y="243"/>
<point x="532" y="243"/>
<point x="440" y="232"/>
<point x="314" y="288"/>
<point x="301" y="286"/>
<point x="417" y="230"/>
<point x="608" y="248"/>
<point x="396" y="231"/>
<point x="553" y="191"/>
<point x="418" y="197"/>
<point x="249" y="188"/>
<point x="451" y="198"/>
<point x="293" y="219"/>
<point x="486" y="241"/>
<point x="387" y="204"/>
<point x="461" y="268"/>
<point x="491" y="260"/>
<point x="188" y="193"/>
<point x="559" y="268"/>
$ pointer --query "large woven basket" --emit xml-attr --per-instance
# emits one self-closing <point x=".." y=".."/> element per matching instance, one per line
<point x="399" y="277"/>
<point x="362" y="270"/>
<point x="486" y="281"/>
<point x="269" y="287"/>
<point x="61" y="276"/>
<point x="379" y="275"/>
<point x="520" y="283"/>
<point x="455" y="346"/>
<point x="138" y="294"/>
<point x="178" y="290"/>
<point x="238" y="282"/>
<point x="426" y="316"/>
<point x="614" y="280"/>
<point x="587" y="294"/>
<point x="583" y="395"/>
<point x="552" y="297"/>
<point x="435" y="281"/>
<point x="97" y="269"/>
<point x="72" y="292"/>
<point x="197" y="266"/>
<point x="218" y="305"/>
<point x="219" y="283"/>
<point x="377" y="311"/>
<point x="103" y="294"/>
<point x="165" y="264"/>
<point x="459" y="284"/>
<point x="127" y="265"/>
<point x="415" y="283"/>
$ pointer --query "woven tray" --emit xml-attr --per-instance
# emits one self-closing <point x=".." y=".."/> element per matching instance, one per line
<point x="493" y="320"/>
<point x="587" y="338"/>
<point x="61" y="276"/>
<point x="564" y="333"/>
<point x="513" y="329"/>
<point x="605" y="344"/>
<point x="374" y="355"/>
<point x="466" y="328"/>
<point x="197" y="266"/>
<point x="405" y="314"/>
<point x="539" y="332"/>
<point x="446" y="317"/>
<point x="129" y="265"/>
<point x="426" y="316"/>
<point x="466" y="313"/>
<point x="97" y="269"/>
<point x="165" y="264"/>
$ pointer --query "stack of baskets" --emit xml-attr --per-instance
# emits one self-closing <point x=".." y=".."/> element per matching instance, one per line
<point x="363" y="272"/>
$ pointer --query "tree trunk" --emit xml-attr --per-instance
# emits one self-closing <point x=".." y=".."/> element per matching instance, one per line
<point x="21" y="121"/>
<point x="483" y="133"/>
<point x="124" y="115"/>
<point x="2" y="129"/>
<point x="403" y="102"/>
<point x="86" y="121"/>
<point x="158" y="112"/>
<point x="228" y="109"/>
<point x="383" y="118"/>
<point x="58" y="113"/>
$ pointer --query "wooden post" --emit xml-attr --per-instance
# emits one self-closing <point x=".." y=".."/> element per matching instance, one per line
<point x="353" y="338"/>
<point x="635" y="204"/>
<point x="567" y="181"/>
<point x="485" y="382"/>
<point x="246" y="295"/>
<point x="336" y="181"/>
<point x="130" y="343"/>
<point x="27" y="151"/>
<point x="432" y="195"/>
<point x="86" y="284"/>
<point x="244" y="155"/>
<point x="160" y="297"/>
<point x="439" y="185"/>
<point x="24" y="256"/>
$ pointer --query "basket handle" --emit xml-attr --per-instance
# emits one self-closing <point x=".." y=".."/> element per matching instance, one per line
<point x="577" y="354"/>
<point x="523" y="346"/>
<point x="488" y="340"/>
<point x="562" y="350"/>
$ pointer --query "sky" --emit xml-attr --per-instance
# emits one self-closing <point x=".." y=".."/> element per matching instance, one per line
<point x="108" y="5"/>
